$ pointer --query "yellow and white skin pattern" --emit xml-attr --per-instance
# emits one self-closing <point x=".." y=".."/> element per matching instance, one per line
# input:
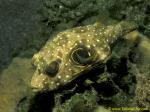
<point x="73" y="51"/>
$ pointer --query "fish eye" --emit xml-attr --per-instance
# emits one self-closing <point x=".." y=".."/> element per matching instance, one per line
<point x="82" y="56"/>
<point x="52" y="68"/>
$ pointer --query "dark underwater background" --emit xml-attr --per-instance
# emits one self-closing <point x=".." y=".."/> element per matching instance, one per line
<point x="26" y="25"/>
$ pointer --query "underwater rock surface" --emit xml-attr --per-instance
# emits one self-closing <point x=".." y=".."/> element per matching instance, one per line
<point x="14" y="83"/>
<point x="123" y="82"/>
<point x="18" y="26"/>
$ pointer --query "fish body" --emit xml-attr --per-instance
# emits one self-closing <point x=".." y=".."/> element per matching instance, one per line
<point x="74" y="51"/>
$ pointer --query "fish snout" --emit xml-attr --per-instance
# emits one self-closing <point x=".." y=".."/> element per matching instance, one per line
<point x="39" y="82"/>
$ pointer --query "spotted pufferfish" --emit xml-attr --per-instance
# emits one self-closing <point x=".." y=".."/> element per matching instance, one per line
<point x="73" y="51"/>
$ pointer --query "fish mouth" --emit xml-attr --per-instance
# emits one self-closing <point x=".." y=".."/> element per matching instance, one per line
<point x="38" y="82"/>
<point x="35" y="89"/>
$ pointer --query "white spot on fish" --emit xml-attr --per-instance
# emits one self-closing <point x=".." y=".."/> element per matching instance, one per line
<point x="67" y="76"/>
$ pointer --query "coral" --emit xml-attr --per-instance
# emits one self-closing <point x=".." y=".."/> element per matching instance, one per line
<point x="142" y="74"/>
<point x="135" y="10"/>
<point x="143" y="90"/>
<point x="85" y="102"/>
<point x="63" y="14"/>
<point x="66" y="14"/>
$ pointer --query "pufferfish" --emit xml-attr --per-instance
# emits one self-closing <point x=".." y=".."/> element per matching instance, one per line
<point x="74" y="51"/>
